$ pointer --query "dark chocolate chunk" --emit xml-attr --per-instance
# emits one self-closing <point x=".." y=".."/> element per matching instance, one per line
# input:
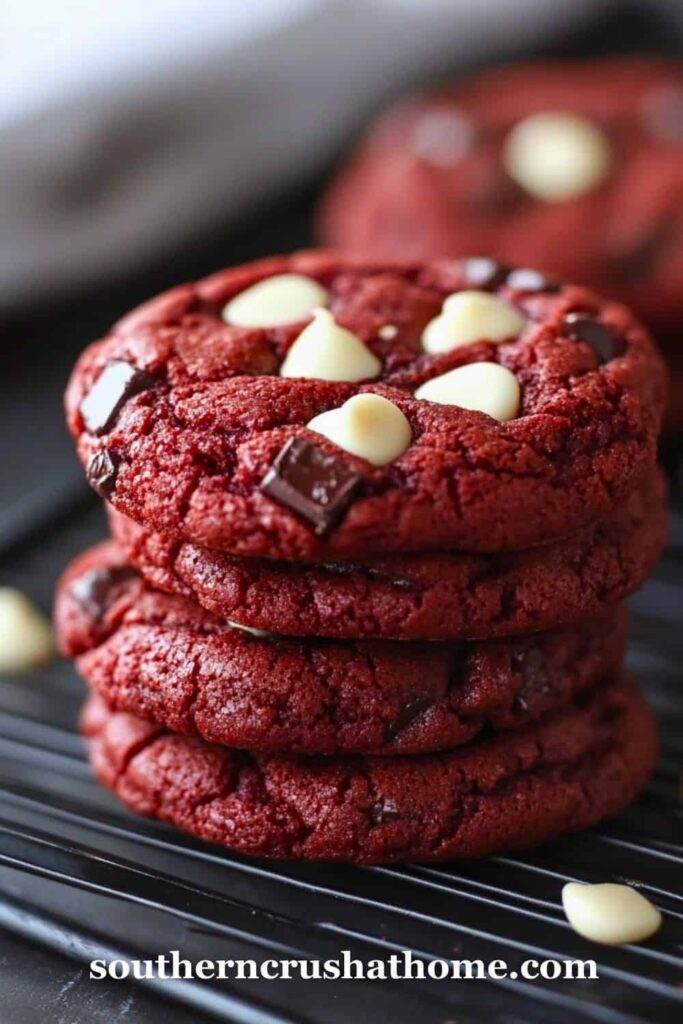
<point x="663" y="113"/>
<point x="527" y="280"/>
<point x="481" y="272"/>
<point x="631" y="256"/>
<point x="306" y="480"/>
<point x="494" y="193"/>
<point x="102" y="471"/>
<point x="408" y="713"/>
<point x="93" y="590"/>
<point x="583" y="327"/>
<point x="117" y="383"/>
<point x="385" y="810"/>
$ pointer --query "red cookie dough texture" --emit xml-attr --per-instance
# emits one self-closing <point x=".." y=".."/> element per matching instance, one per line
<point x="505" y="793"/>
<point x="439" y="175"/>
<point x="195" y="439"/>
<point x="166" y="659"/>
<point x="417" y="597"/>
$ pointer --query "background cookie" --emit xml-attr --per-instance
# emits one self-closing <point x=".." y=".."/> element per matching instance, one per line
<point x="444" y="596"/>
<point x="506" y="793"/>
<point x="187" y="424"/>
<point x="575" y="167"/>
<point x="166" y="659"/>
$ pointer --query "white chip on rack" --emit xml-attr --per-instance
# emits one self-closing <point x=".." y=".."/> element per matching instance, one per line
<point x="556" y="156"/>
<point x="471" y="316"/>
<point x="485" y="387"/>
<point x="610" y="913"/>
<point x="369" y="426"/>
<point x="327" y="351"/>
<point x="26" y="638"/>
<point x="282" y="299"/>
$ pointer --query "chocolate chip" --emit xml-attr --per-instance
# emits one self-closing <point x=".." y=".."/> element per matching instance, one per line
<point x="407" y="714"/>
<point x="526" y="280"/>
<point x="582" y="327"/>
<point x="93" y="589"/>
<point x="385" y="810"/>
<point x="306" y="480"/>
<point x="117" y="383"/>
<point x="630" y="256"/>
<point x="663" y="113"/>
<point x="494" y="193"/>
<point x="102" y="472"/>
<point x="481" y="272"/>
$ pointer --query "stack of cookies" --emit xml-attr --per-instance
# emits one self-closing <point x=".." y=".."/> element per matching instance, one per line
<point x="371" y="527"/>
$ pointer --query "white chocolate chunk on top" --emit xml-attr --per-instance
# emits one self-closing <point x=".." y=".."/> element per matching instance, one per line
<point x="556" y="156"/>
<point x="282" y="299"/>
<point x="26" y="638"/>
<point x="327" y="351"/>
<point x="368" y="426"/>
<point x="471" y="316"/>
<point x="485" y="387"/>
<point x="610" y="913"/>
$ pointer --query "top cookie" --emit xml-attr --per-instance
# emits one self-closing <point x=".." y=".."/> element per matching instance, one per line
<point x="313" y="406"/>
<point x="575" y="167"/>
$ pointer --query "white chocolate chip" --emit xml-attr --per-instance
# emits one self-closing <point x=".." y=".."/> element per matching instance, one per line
<point x="388" y="332"/>
<point x="283" y="299"/>
<point x="485" y="387"/>
<point x="556" y="156"/>
<point x="471" y="316"/>
<point x="369" y="426"/>
<point x="326" y="351"/>
<point x="26" y="639"/>
<point x="609" y="913"/>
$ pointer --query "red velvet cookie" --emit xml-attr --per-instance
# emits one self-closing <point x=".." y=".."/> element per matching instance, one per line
<point x="508" y="792"/>
<point x="417" y="597"/>
<point x="488" y="166"/>
<point x="166" y="659"/>
<point x="213" y="432"/>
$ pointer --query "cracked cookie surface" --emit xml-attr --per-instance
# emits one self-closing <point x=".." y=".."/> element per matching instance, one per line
<point x="505" y="793"/>
<point x="192" y="416"/>
<point x="166" y="659"/>
<point x="417" y="597"/>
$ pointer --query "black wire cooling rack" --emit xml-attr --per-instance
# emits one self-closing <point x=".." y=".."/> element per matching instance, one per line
<point x="81" y="877"/>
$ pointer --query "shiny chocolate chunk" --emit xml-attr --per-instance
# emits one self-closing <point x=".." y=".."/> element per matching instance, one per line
<point x="583" y="327"/>
<point x="93" y="590"/>
<point x="411" y="710"/>
<point x="102" y="471"/>
<point x="484" y="273"/>
<point x="315" y="485"/>
<point x="117" y="383"/>
<point x="527" y="280"/>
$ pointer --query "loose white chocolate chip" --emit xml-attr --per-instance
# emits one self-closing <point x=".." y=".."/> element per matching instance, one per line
<point x="388" y="332"/>
<point x="556" y="156"/>
<point x="326" y="351"/>
<point x="26" y="639"/>
<point x="369" y="426"/>
<point x="609" y="913"/>
<point x="283" y="299"/>
<point x="471" y="316"/>
<point x="485" y="387"/>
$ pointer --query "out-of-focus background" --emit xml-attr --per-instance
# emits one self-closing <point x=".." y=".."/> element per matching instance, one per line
<point x="144" y="142"/>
